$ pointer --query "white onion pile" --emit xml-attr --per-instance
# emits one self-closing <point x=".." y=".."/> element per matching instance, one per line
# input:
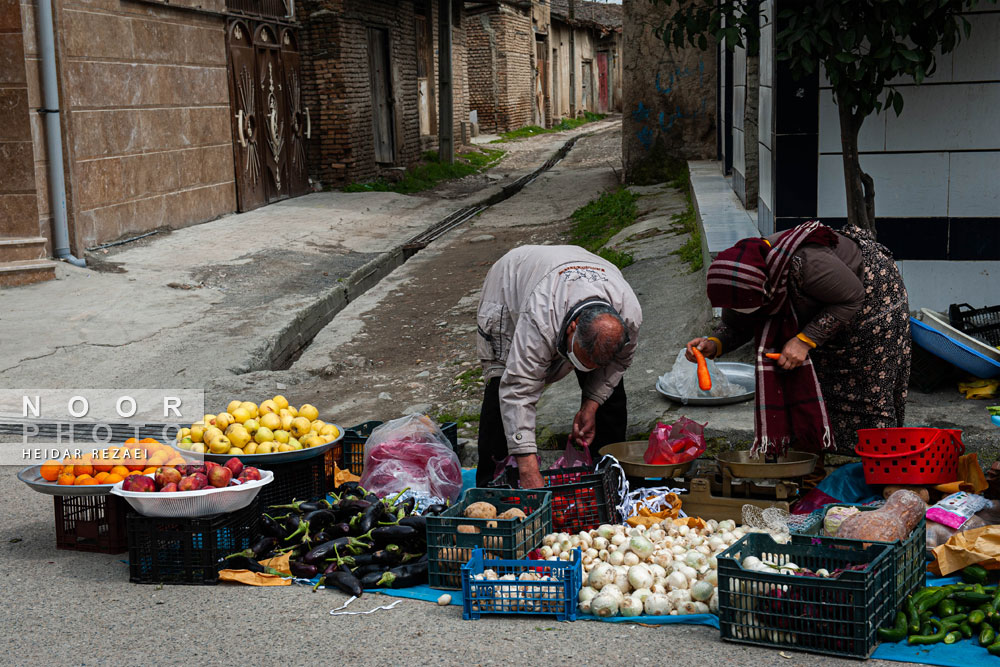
<point x="666" y="569"/>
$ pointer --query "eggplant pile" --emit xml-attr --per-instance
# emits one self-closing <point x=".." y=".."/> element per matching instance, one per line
<point x="358" y="541"/>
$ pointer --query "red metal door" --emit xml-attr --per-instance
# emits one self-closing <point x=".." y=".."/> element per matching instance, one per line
<point x="602" y="82"/>
<point x="299" y="125"/>
<point x="244" y="104"/>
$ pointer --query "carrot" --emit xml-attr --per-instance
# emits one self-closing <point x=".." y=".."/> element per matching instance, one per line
<point x="704" y="379"/>
<point x="773" y="355"/>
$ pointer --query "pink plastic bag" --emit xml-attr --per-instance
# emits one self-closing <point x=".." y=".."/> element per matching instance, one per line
<point x="680" y="442"/>
<point x="574" y="458"/>
<point x="411" y="452"/>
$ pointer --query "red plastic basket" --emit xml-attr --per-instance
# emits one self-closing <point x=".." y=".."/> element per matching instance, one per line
<point x="910" y="455"/>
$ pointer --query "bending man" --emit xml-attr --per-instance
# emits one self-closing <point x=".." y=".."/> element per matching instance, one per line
<point x="543" y="312"/>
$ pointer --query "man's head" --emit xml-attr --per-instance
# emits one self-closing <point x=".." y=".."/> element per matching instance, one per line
<point x="596" y="336"/>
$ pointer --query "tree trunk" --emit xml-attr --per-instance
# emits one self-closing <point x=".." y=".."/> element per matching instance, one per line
<point x="859" y="185"/>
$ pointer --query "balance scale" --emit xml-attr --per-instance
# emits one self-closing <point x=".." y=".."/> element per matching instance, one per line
<point x="719" y="489"/>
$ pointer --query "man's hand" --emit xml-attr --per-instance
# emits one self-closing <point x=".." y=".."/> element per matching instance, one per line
<point x="527" y="468"/>
<point x="584" y="424"/>
<point x="705" y="346"/>
<point x="794" y="354"/>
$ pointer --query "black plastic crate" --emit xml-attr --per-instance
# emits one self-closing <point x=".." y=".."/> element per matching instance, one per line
<point x="448" y="547"/>
<point x="582" y="498"/>
<point x="836" y="616"/>
<point x="91" y="523"/>
<point x="909" y="556"/>
<point x="981" y="323"/>
<point x="306" y="479"/>
<point x="187" y="551"/>
<point x="355" y="437"/>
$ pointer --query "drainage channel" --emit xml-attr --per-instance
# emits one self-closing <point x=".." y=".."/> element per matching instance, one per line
<point x="282" y="353"/>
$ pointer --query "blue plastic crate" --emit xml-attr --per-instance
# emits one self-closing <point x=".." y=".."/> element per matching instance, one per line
<point x="953" y="351"/>
<point x="554" y="597"/>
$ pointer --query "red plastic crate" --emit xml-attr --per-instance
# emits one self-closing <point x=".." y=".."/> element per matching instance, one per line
<point x="91" y="523"/>
<point x="910" y="455"/>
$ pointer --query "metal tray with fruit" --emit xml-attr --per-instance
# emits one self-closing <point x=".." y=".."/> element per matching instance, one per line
<point x="32" y="476"/>
<point x="273" y="432"/>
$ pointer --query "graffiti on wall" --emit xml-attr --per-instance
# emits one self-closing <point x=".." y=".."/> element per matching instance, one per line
<point x="668" y="75"/>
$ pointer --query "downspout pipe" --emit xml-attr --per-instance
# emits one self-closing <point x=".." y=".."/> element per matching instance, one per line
<point x="53" y="135"/>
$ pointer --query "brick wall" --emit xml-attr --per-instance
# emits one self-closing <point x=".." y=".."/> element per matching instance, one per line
<point x="18" y="207"/>
<point x="500" y="69"/>
<point x="145" y="104"/>
<point x="459" y="68"/>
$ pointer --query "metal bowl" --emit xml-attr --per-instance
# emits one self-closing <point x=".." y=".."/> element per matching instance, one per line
<point x="629" y="454"/>
<point x="739" y="374"/>
<point x="262" y="460"/>
<point x="742" y="465"/>
<point x="32" y="476"/>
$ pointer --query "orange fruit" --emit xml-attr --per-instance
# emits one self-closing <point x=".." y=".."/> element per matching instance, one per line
<point x="153" y="441"/>
<point x="103" y="463"/>
<point x="85" y="481"/>
<point x="101" y="476"/>
<point x="80" y="479"/>
<point x="131" y="441"/>
<point x="84" y="467"/>
<point x="120" y="471"/>
<point x="50" y="470"/>
<point x="134" y="472"/>
<point x="150" y="471"/>
<point x="66" y="480"/>
<point x="112" y="478"/>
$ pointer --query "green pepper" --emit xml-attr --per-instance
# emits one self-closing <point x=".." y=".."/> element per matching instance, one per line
<point x="987" y="636"/>
<point x="929" y="638"/>
<point x="946" y="608"/>
<point x="975" y="574"/>
<point x="976" y="617"/>
<point x="954" y="619"/>
<point x="995" y="602"/>
<point x="994" y="648"/>
<point x="926" y="628"/>
<point x="926" y="615"/>
<point x="972" y="597"/>
<point x="897" y="633"/>
<point x="966" y="630"/>
<point x="912" y="616"/>
<point x="952" y="637"/>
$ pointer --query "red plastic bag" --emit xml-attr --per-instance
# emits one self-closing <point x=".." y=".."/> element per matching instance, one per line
<point x="680" y="442"/>
<point x="574" y="458"/>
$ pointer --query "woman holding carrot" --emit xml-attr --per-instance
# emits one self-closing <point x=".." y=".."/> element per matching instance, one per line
<point x="832" y="308"/>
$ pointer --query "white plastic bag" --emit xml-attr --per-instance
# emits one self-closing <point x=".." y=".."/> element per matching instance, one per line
<point x="411" y="453"/>
<point x="682" y="380"/>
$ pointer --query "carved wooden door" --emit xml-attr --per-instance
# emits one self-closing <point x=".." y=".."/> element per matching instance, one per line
<point x="299" y="125"/>
<point x="273" y="111"/>
<point x="251" y="190"/>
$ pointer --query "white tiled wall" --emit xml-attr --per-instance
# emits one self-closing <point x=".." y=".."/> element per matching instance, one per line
<point x="904" y="187"/>
<point x="766" y="182"/>
<point x="941" y="156"/>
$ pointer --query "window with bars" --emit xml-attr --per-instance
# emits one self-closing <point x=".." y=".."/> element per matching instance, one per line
<point x="264" y="8"/>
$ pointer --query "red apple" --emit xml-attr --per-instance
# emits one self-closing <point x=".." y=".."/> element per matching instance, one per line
<point x="250" y="474"/>
<point x="142" y="484"/>
<point x="219" y="476"/>
<point x="167" y="475"/>
<point x="193" y="482"/>
<point x="209" y="465"/>
<point x="169" y="488"/>
<point x="192" y="468"/>
<point x="235" y="465"/>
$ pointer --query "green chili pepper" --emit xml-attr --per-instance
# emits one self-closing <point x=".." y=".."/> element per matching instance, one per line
<point x="930" y="638"/>
<point x="954" y="619"/>
<point x="966" y="630"/>
<point x="976" y="617"/>
<point x="952" y="637"/>
<point x="896" y="633"/>
<point x="987" y="636"/>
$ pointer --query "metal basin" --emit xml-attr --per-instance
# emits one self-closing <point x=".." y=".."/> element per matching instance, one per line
<point x="629" y="454"/>
<point x="741" y="375"/>
<point x="793" y="464"/>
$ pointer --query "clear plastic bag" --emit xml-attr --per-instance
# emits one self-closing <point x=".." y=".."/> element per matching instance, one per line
<point x="411" y="452"/>
<point x="680" y="442"/>
<point x="682" y="380"/>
